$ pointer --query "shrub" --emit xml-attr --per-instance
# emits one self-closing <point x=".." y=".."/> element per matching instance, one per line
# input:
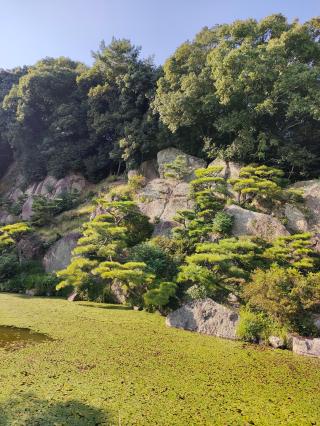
<point x="197" y="292"/>
<point x="159" y="296"/>
<point x="222" y="223"/>
<point x="178" y="169"/>
<point x="286" y="295"/>
<point x="157" y="261"/>
<point x="253" y="326"/>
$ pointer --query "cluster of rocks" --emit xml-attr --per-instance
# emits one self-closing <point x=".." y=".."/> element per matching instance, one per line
<point x="160" y="199"/>
<point x="208" y="317"/>
<point x="49" y="188"/>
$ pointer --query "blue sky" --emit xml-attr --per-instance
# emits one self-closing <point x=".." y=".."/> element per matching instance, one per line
<point x="33" y="29"/>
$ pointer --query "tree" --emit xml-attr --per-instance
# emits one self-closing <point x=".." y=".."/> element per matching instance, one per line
<point x="160" y="296"/>
<point x="209" y="192"/>
<point x="103" y="248"/>
<point x="119" y="88"/>
<point x="286" y="295"/>
<point x="223" y="266"/>
<point x="260" y="183"/>
<point x="248" y="91"/>
<point x="131" y="276"/>
<point x="48" y="119"/>
<point x="8" y="78"/>
<point x="10" y="234"/>
<point x="294" y="251"/>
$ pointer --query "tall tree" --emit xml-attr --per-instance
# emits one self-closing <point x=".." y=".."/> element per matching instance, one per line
<point x="48" y="119"/>
<point x="120" y="86"/>
<point x="248" y="91"/>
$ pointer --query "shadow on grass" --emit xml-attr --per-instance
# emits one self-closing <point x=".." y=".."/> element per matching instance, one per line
<point x="27" y="409"/>
<point x="116" y="307"/>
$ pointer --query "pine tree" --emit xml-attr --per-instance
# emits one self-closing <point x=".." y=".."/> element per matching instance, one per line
<point x="209" y="192"/>
<point x="9" y="234"/>
<point x="257" y="182"/>
<point x="294" y="251"/>
<point x="223" y="266"/>
<point x="132" y="277"/>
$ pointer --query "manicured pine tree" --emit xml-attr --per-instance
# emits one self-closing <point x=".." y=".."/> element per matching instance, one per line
<point x="223" y="266"/>
<point x="294" y="251"/>
<point x="257" y="182"/>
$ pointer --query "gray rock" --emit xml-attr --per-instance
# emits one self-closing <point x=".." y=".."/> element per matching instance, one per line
<point x="160" y="200"/>
<point x="149" y="169"/>
<point x="207" y="317"/>
<point x="297" y="221"/>
<point x="229" y="169"/>
<point x="74" y="296"/>
<point x="51" y="188"/>
<point x="59" y="255"/>
<point x="247" y="222"/>
<point x="118" y="292"/>
<point x="306" y="346"/>
<point x="311" y="196"/>
<point x="7" y="218"/>
<point x="30" y="247"/>
<point x="31" y="292"/>
<point x="316" y="321"/>
<point x="167" y="156"/>
<point x="277" y="342"/>
<point x="133" y="173"/>
<point x="27" y="209"/>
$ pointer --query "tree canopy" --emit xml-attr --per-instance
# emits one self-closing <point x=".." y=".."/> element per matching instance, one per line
<point x="248" y="91"/>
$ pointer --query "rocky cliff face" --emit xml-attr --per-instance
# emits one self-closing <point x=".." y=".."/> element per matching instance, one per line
<point x="59" y="255"/>
<point x="12" y="189"/>
<point x="160" y="200"/>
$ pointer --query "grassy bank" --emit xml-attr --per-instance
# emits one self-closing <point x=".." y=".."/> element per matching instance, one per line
<point x="109" y="365"/>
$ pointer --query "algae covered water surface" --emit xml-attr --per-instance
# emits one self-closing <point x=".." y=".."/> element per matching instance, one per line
<point x="109" y="365"/>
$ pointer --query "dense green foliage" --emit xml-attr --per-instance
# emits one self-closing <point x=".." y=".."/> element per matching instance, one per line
<point x="248" y="91"/>
<point x="286" y="295"/>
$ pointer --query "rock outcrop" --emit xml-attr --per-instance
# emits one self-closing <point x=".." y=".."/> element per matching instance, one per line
<point x="306" y="346"/>
<point x="167" y="156"/>
<point x="59" y="255"/>
<point x="51" y="188"/>
<point x="296" y="219"/>
<point x="311" y="196"/>
<point x="229" y="170"/>
<point x="160" y="200"/>
<point x="247" y="222"/>
<point x="207" y="317"/>
<point x="149" y="169"/>
<point x="30" y="247"/>
<point x="277" y="342"/>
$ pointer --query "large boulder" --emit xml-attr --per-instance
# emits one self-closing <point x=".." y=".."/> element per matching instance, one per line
<point x="59" y="255"/>
<point x="207" y="317"/>
<point x="247" y="222"/>
<point x="149" y="169"/>
<point x="296" y="219"/>
<point x="160" y="200"/>
<point x="311" y="196"/>
<point x="229" y="170"/>
<point x="167" y="156"/>
<point x="277" y="342"/>
<point x="306" y="346"/>
<point x="30" y="247"/>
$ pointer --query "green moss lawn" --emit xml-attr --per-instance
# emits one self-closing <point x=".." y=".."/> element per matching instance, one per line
<point x="109" y="365"/>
